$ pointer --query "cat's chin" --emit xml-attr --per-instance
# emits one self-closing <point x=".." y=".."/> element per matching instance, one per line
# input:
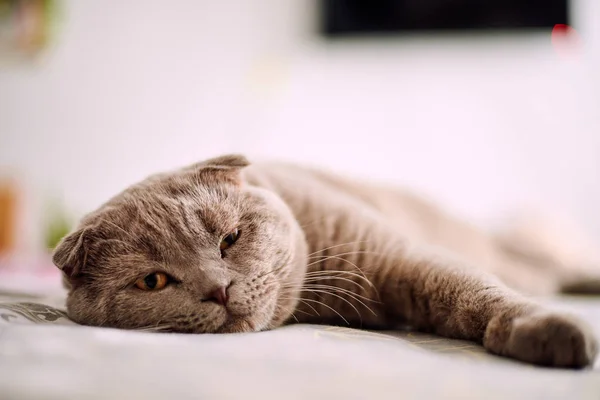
<point x="238" y="325"/>
<point x="255" y="322"/>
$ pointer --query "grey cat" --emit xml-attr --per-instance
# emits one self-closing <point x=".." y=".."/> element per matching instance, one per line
<point x="221" y="246"/>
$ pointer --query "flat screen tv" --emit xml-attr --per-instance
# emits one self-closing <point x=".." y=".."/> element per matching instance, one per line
<point x="367" y="17"/>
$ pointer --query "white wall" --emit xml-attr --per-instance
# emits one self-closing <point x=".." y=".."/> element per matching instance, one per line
<point x="482" y="123"/>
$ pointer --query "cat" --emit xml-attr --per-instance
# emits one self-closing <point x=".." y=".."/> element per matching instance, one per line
<point x="224" y="246"/>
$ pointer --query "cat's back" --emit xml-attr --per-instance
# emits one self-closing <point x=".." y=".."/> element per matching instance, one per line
<point x="294" y="182"/>
<point x="315" y="194"/>
<point x="315" y="191"/>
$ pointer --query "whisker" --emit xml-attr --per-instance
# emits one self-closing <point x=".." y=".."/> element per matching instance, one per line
<point x="337" y="245"/>
<point x="335" y="295"/>
<point x="353" y="296"/>
<point x="350" y="292"/>
<point x="314" y="291"/>
<point x="303" y="312"/>
<point x="295" y="317"/>
<point x="324" y="305"/>
<point x="306" y="283"/>
<point x="153" y="328"/>
<point x="332" y="277"/>
<point x="351" y="253"/>
<point x="302" y="301"/>
<point x="311" y="307"/>
<point x="326" y="273"/>
<point x="342" y="259"/>
<point x="270" y="272"/>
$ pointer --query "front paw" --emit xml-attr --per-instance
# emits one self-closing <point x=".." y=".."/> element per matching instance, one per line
<point x="549" y="339"/>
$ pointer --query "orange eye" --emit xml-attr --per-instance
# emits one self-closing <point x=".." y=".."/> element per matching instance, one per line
<point x="154" y="281"/>
<point x="229" y="240"/>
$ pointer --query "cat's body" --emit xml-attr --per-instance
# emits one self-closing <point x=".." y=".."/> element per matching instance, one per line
<point x="336" y="211"/>
<point x="313" y="247"/>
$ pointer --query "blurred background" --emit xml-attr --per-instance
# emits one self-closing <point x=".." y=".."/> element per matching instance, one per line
<point x="473" y="103"/>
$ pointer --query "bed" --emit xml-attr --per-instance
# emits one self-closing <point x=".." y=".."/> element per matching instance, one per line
<point x="43" y="355"/>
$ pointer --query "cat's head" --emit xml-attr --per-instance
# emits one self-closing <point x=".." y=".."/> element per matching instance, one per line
<point x="197" y="250"/>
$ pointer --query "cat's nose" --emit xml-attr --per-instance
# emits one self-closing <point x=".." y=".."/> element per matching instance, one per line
<point x="220" y="296"/>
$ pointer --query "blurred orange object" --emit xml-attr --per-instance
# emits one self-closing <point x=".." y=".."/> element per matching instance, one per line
<point x="8" y="205"/>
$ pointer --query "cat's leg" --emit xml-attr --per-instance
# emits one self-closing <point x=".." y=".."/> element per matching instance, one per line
<point x="442" y="296"/>
<point x="540" y="273"/>
<point x="569" y="258"/>
<point x="428" y="291"/>
<point x="581" y="283"/>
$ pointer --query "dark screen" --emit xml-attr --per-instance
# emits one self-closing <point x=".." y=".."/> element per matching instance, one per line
<point x="355" y="17"/>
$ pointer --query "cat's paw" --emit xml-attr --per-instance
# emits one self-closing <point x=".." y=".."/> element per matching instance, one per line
<point x="584" y="285"/>
<point x="550" y="339"/>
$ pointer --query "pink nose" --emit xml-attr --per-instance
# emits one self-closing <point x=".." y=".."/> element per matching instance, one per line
<point x="220" y="296"/>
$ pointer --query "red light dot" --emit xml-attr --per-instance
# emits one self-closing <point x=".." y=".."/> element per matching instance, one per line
<point x="565" y="41"/>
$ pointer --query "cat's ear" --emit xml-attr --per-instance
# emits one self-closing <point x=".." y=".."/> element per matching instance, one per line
<point x="70" y="254"/>
<point x="225" y="168"/>
<point x="228" y="161"/>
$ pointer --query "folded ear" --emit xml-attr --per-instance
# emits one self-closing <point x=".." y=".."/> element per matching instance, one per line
<point x="228" y="161"/>
<point x="225" y="168"/>
<point x="70" y="254"/>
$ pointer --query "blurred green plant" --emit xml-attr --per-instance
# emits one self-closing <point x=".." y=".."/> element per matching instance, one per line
<point x="27" y="27"/>
<point x="58" y="226"/>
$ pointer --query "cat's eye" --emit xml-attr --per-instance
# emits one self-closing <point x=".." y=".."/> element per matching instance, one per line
<point x="229" y="240"/>
<point x="154" y="281"/>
